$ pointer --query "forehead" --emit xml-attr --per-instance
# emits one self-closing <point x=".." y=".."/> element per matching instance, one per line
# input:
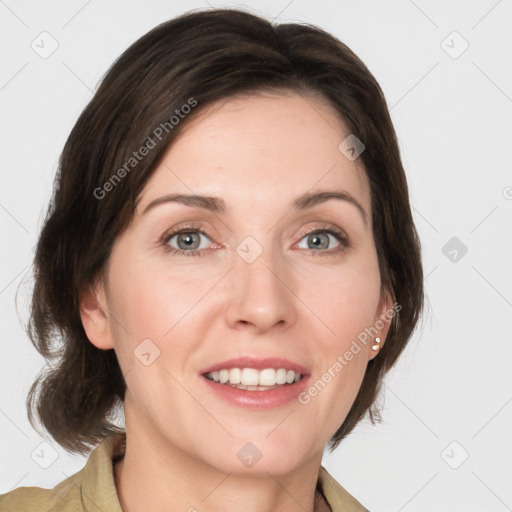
<point x="265" y="147"/>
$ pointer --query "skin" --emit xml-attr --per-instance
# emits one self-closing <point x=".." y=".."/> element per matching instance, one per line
<point x="258" y="153"/>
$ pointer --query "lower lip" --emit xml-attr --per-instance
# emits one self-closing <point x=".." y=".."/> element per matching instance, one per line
<point x="258" y="399"/>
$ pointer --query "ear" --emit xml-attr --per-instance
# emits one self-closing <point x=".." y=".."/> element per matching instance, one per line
<point x="95" y="317"/>
<point x="382" y="324"/>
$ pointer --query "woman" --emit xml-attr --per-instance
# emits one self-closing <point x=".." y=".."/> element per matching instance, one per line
<point x="229" y="255"/>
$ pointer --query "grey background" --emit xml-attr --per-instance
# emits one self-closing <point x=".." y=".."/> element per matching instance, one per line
<point x="450" y="395"/>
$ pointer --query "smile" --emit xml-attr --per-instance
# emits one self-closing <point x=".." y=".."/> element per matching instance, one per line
<point x="251" y="379"/>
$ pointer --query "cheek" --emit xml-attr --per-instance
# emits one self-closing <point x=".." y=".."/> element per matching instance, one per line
<point x="159" y="302"/>
<point x="345" y="299"/>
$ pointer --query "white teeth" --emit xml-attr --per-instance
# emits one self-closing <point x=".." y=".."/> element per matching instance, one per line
<point x="235" y="376"/>
<point x="281" y="376"/>
<point x="252" y="379"/>
<point x="267" y="377"/>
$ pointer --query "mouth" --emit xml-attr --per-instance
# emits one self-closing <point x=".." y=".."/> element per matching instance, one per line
<point x="256" y="383"/>
<point x="253" y="379"/>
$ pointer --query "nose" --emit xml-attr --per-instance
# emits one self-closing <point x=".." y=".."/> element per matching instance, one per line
<point x="261" y="295"/>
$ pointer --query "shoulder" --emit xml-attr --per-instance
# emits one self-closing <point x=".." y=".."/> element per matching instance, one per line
<point x="63" y="497"/>
<point x="336" y="496"/>
<point x="94" y="483"/>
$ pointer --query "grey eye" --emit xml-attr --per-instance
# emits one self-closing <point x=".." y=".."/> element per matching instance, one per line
<point x="187" y="240"/>
<point x="318" y="241"/>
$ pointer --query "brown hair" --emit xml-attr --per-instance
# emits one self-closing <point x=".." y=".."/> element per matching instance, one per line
<point x="200" y="57"/>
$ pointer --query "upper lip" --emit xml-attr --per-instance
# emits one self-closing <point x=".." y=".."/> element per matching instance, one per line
<point x="258" y="363"/>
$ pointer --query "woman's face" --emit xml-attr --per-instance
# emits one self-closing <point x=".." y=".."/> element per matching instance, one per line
<point x="246" y="285"/>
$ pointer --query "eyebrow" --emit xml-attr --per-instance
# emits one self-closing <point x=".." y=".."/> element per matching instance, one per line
<point x="218" y="205"/>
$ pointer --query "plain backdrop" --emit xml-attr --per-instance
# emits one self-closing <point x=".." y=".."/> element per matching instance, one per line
<point x="445" y="69"/>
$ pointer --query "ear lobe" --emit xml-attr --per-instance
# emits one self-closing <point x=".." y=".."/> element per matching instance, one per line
<point x="95" y="318"/>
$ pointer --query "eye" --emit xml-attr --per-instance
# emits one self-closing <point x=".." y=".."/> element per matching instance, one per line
<point x="189" y="241"/>
<point x="328" y="240"/>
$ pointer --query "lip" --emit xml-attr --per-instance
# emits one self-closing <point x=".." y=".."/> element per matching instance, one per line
<point x="257" y="400"/>
<point x="258" y="363"/>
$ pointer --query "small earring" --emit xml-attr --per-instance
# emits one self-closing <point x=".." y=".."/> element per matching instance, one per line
<point x="377" y="343"/>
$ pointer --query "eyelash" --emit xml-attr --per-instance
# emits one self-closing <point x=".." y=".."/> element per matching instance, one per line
<point x="337" y="233"/>
<point x="183" y="229"/>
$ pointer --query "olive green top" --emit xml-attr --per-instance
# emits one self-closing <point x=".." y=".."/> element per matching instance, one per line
<point x="92" y="489"/>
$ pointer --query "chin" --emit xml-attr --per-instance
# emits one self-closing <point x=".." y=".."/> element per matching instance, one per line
<point x="259" y="455"/>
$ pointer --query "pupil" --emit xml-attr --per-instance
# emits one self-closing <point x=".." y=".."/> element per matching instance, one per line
<point x="190" y="240"/>
<point x="316" y="241"/>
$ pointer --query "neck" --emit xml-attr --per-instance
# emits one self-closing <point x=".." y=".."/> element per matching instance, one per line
<point x="135" y="495"/>
<point x="156" y="475"/>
